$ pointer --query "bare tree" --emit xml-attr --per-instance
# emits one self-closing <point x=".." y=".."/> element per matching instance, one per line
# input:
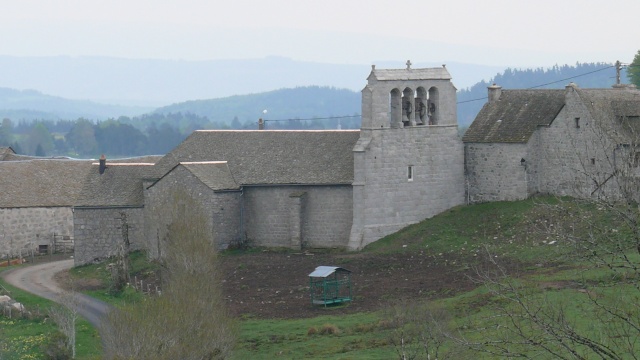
<point x="600" y="318"/>
<point x="189" y="320"/>
<point x="591" y="153"/>
<point x="420" y="330"/>
<point x="65" y="315"/>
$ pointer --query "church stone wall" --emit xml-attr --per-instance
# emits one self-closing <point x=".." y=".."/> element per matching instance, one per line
<point x="323" y="220"/>
<point x="27" y="228"/>
<point x="98" y="232"/>
<point x="385" y="199"/>
<point x="163" y="204"/>
<point x="495" y="171"/>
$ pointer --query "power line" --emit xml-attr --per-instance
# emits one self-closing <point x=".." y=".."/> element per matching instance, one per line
<point x="573" y="77"/>
<point x="311" y="119"/>
<point x="466" y="101"/>
<point x="549" y="83"/>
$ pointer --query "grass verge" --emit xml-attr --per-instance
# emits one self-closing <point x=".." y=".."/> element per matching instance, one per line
<point x="24" y="338"/>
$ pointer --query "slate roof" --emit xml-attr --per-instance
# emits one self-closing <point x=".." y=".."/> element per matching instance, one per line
<point x="611" y="105"/>
<point x="41" y="183"/>
<point x="515" y="116"/>
<point x="5" y="152"/>
<point x="269" y="157"/>
<point x="215" y="174"/>
<point x="121" y="185"/>
<point x="410" y="74"/>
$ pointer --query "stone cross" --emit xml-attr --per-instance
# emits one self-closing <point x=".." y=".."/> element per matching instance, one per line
<point x="408" y="64"/>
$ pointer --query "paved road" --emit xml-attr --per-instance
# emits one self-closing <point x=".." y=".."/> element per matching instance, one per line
<point x="38" y="280"/>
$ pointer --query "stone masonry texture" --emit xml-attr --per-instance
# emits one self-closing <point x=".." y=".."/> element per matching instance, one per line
<point x="23" y="229"/>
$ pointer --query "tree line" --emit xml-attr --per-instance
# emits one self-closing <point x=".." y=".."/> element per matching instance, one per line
<point x="586" y="75"/>
<point x="149" y="134"/>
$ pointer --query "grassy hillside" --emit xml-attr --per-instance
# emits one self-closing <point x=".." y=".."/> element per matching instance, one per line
<point x="493" y="278"/>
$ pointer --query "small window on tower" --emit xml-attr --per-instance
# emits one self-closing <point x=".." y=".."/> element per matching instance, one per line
<point x="410" y="173"/>
<point x="577" y="123"/>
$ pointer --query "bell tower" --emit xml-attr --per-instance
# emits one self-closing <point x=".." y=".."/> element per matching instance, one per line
<point x="409" y="160"/>
<point x="399" y="98"/>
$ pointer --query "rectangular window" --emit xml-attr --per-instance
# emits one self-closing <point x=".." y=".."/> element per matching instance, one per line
<point x="577" y="123"/>
<point x="593" y="161"/>
<point x="410" y="173"/>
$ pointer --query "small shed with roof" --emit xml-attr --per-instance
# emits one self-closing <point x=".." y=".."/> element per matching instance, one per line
<point x="330" y="285"/>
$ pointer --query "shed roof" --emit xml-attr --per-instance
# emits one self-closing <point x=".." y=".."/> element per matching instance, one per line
<point x="324" y="271"/>
<point x="515" y="116"/>
<point x="269" y="157"/>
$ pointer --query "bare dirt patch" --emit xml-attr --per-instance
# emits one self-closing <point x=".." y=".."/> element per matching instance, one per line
<point x="276" y="285"/>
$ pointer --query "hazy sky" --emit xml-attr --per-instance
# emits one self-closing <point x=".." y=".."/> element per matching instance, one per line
<point x="493" y="32"/>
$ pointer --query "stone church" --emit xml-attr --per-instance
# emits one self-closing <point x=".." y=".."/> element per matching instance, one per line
<point x="346" y="189"/>
<point x="294" y="189"/>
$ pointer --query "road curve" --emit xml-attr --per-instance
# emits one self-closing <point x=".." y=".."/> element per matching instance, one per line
<point x="38" y="280"/>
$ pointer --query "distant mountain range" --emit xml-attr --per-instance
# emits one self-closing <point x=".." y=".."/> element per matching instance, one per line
<point x="278" y="105"/>
<point x="300" y="102"/>
<point x="145" y="82"/>
<point x="32" y="105"/>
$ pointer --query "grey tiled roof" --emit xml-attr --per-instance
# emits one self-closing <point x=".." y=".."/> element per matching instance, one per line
<point x="5" y="152"/>
<point x="410" y="74"/>
<point x="215" y="174"/>
<point x="121" y="184"/>
<point x="611" y="105"/>
<point x="41" y="183"/>
<point x="272" y="157"/>
<point x="514" y="116"/>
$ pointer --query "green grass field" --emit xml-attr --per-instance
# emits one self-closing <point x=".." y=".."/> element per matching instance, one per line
<point x="25" y="338"/>
<point x="558" y="279"/>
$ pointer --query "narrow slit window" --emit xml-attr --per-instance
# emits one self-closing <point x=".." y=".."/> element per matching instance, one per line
<point x="593" y="161"/>
<point x="410" y="173"/>
<point x="577" y="122"/>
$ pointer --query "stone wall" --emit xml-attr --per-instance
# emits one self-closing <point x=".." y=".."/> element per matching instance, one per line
<point x="573" y="157"/>
<point x="163" y="204"/>
<point x="98" y="232"/>
<point x="27" y="228"/>
<point x="495" y="171"/>
<point x="385" y="198"/>
<point x="324" y="221"/>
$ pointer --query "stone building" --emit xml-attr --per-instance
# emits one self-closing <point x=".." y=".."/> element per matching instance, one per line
<point x="36" y="203"/>
<point x="576" y="142"/>
<point x="108" y="210"/>
<point x="263" y="188"/>
<point x="346" y="189"/>
<point x="408" y="162"/>
<point x="307" y="189"/>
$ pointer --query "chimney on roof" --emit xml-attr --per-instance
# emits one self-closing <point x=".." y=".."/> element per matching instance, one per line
<point x="494" y="92"/>
<point x="103" y="164"/>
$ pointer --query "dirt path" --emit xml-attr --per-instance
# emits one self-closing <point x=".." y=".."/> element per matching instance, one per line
<point x="39" y="280"/>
